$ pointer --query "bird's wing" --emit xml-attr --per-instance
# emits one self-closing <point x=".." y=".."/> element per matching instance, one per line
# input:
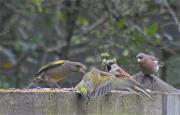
<point x="107" y="82"/>
<point x="102" y="89"/>
<point x="49" y="65"/>
<point x="81" y="88"/>
<point x="153" y="58"/>
<point x="127" y="76"/>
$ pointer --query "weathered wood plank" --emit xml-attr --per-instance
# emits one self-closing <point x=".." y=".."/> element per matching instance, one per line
<point x="171" y="104"/>
<point x="69" y="103"/>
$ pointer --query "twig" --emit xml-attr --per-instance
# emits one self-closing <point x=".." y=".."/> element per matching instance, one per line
<point x="4" y="33"/>
<point x="99" y="22"/>
<point x="173" y="14"/>
<point x="56" y="47"/>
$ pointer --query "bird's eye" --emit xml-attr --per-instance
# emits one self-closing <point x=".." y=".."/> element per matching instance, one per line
<point x="110" y="63"/>
<point x="140" y="57"/>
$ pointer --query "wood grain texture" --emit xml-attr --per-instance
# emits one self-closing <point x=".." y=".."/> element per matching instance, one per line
<point x="56" y="102"/>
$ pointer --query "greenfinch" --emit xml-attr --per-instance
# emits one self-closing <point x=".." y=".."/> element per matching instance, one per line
<point x="57" y="70"/>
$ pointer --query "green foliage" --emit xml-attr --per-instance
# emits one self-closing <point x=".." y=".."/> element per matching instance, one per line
<point x="81" y="21"/>
<point x="37" y="3"/>
<point x="39" y="31"/>
<point x="104" y="57"/>
<point x="36" y="38"/>
<point x="152" y="29"/>
<point x="125" y="52"/>
<point x="120" y="23"/>
<point x="61" y="15"/>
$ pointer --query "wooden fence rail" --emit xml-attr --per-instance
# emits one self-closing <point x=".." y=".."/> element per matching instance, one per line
<point x="56" y="102"/>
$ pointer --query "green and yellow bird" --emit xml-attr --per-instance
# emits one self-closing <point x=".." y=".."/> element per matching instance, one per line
<point x="57" y="70"/>
<point x="97" y="83"/>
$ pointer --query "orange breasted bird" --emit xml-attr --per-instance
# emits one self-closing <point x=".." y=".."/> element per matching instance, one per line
<point x="148" y="64"/>
<point x="57" y="70"/>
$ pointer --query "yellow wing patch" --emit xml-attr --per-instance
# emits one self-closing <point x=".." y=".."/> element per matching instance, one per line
<point x="52" y="64"/>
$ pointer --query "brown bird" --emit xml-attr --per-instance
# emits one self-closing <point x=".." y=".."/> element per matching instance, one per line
<point x="113" y="68"/>
<point x="149" y="66"/>
<point x="57" y="70"/>
<point x="147" y="63"/>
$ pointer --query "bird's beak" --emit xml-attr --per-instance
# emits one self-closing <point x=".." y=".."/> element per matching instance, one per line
<point x="138" y="60"/>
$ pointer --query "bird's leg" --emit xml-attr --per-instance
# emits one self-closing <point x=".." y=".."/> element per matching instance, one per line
<point x="147" y="76"/>
<point x="144" y="78"/>
<point x="57" y="85"/>
<point x="153" y="82"/>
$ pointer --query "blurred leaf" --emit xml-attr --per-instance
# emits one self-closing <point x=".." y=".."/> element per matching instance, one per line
<point x="105" y="55"/>
<point x="22" y="46"/>
<point x="81" y="21"/>
<point x="48" y="21"/>
<point x="98" y="34"/>
<point x="122" y="61"/>
<point x="125" y="52"/>
<point x="6" y="64"/>
<point x="23" y="33"/>
<point x="152" y="29"/>
<point x="17" y="45"/>
<point x="138" y="38"/>
<point x="61" y="15"/>
<point x="37" y="3"/>
<point x="36" y="38"/>
<point x="9" y="55"/>
<point x="120" y="23"/>
<point x="90" y="59"/>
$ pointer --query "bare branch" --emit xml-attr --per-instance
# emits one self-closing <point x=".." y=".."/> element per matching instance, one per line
<point x="173" y="14"/>
<point x="99" y="22"/>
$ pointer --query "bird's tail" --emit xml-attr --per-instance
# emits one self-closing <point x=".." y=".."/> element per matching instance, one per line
<point x="36" y="79"/>
<point x="142" y="91"/>
<point x="29" y="86"/>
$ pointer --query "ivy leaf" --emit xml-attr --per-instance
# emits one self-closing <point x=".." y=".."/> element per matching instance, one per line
<point x="120" y="23"/>
<point x="81" y="21"/>
<point x="152" y="29"/>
